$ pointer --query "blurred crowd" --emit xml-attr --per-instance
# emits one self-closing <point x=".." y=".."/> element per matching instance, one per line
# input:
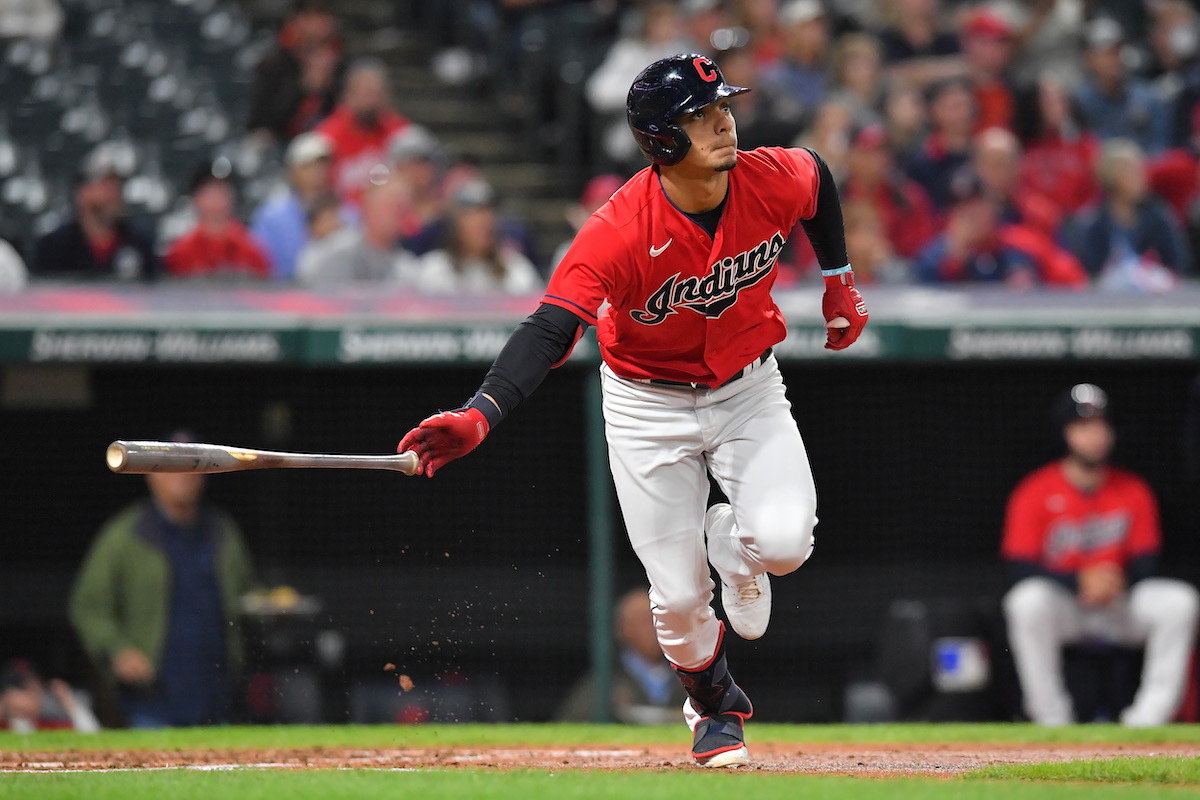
<point x="1030" y="142"/>
<point x="1023" y="142"/>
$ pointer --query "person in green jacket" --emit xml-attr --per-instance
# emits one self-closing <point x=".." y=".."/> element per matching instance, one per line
<point x="156" y="604"/>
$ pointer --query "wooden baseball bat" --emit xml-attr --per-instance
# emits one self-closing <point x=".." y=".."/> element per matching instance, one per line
<point x="139" y="458"/>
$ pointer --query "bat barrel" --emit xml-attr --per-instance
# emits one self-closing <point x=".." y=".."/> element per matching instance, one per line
<point x="139" y="458"/>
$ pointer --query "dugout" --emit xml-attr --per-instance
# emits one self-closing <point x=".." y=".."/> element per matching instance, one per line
<point x="490" y="570"/>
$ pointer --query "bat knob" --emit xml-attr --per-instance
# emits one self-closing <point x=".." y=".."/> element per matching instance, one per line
<point x="114" y="456"/>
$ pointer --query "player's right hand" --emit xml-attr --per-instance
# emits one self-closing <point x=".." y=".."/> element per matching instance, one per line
<point x="444" y="437"/>
<point x="842" y="301"/>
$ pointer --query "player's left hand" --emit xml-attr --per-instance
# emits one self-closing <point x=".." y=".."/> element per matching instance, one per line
<point x="844" y="310"/>
<point x="445" y="437"/>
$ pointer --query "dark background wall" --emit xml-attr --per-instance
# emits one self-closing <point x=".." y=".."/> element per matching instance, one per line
<point x="483" y="569"/>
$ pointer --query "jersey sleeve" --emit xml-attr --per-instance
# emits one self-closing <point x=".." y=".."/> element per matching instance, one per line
<point x="1024" y="527"/>
<point x="1145" y="532"/>
<point x="586" y="275"/>
<point x="802" y="173"/>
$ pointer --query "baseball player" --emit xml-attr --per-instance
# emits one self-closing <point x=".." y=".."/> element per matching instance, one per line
<point x="1082" y="541"/>
<point x="675" y="271"/>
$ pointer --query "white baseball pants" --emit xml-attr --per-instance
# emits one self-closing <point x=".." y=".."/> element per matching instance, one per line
<point x="1159" y="613"/>
<point x="662" y="442"/>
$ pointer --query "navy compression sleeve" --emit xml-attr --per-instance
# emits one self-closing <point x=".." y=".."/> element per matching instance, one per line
<point x="825" y="229"/>
<point x="538" y="344"/>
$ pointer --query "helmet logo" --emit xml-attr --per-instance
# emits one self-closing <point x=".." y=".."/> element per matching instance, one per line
<point x="706" y="68"/>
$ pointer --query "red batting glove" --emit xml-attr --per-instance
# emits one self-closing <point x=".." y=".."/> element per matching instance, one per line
<point x="842" y="300"/>
<point x="445" y="437"/>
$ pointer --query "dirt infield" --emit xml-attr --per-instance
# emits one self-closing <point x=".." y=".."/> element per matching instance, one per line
<point x="830" y="759"/>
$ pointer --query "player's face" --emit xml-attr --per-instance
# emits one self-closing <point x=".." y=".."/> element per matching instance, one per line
<point x="1090" y="440"/>
<point x="714" y="137"/>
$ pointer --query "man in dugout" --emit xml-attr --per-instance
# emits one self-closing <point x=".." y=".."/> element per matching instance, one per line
<point x="1082" y="540"/>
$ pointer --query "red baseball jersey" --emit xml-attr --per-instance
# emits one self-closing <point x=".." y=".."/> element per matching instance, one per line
<point x="1051" y="522"/>
<point x="200" y="252"/>
<point x="682" y="305"/>
<point x="356" y="150"/>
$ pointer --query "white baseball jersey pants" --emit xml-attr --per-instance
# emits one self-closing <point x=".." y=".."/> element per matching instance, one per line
<point x="1159" y="613"/>
<point x="662" y="443"/>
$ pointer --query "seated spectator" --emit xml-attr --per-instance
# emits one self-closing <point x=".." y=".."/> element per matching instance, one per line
<point x="763" y="119"/>
<point x="606" y="89"/>
<point x="1129" y="237"/>
<point x="904" y="115"/>
<point x="988" y="43"/>
<point x="417" y="165"/>
<point x="99" y="242"/>
<point x="760" y="20"/>
<point x="917" y="49"/>
<point x="868" y="248"/>
<point x="1082" y="541"/>
<point x="157" y="604"/>
<point x="595" y="195"/>
<point x="1174" y="175"/>
<point x="644" y="689"/>
<point x="346" y="256"/>
<point x="710" y="23"/>
<point x="947" y="147"/>
<point x="279" y="224"/>
<point x="219" y="246"/>
<point x="324" y="217"/>
<point x="797" y="79"/>
<point x="857" y="75"/>
<point x="976" y="246"/>
<point x="996" y="159"/>
<point x="27" y="703"/>
<point x="360" y="127"/>
<point x="1115" y="105"/>
<point x="900" y="204"/>
<point x="1174" y="41"/>
<point x="296" y="84"/>
<point x="1060" y="155"/>
<point x="829" y="135"/>
<point x="13" y="273"/>
<point x="474" y="257"/>
<point x="1049" y="35"/>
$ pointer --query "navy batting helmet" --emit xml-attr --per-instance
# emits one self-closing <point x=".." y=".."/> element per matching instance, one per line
<point x="1081" y="401"/>
<point x="663" y="92"/>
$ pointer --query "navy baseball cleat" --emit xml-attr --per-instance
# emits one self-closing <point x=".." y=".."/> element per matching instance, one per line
<point x="720" y="741"/>
<point x="715" y="710"/>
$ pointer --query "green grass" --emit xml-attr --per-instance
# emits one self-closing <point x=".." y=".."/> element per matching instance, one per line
<point x="558" y="735"/>
<point x="530" y="784"/>
<point x="1136" y="777"/>
<point x="1135" y="769"/>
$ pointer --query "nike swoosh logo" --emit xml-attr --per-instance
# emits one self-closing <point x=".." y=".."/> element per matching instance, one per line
<point x="655" y="252"/>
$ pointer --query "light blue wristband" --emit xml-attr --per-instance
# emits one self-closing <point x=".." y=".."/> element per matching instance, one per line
<point x="829" y="273"/>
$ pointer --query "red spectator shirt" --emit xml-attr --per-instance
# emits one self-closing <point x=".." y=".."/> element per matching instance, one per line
<point x="995" y="104"/>
<point x="904" y="208"/>
<point x="356" y="149"/>
<point x="200" y="252"/>
<point x="1052" y="523"/>
<point x="1175" y="177"/>
<point x="684" y="306"/>
<point x="1060" y="169"/>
